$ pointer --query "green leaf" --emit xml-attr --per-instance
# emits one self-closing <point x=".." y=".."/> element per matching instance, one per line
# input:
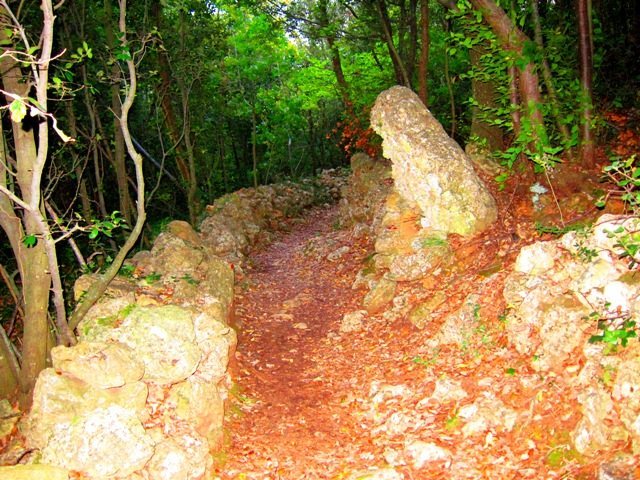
<point x="29" y="241"/>
<point x="18" y="110"/>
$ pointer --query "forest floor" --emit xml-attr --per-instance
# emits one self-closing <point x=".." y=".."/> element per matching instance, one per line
<point x="315" y="402"/>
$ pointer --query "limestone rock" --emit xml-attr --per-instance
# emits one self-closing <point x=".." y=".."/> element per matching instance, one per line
<point x="184" y="231"/>
<point x="429" y="168"/>
<point x="163" y="339"/>
<point x="99" y="364"/>
<point x="102" y="443"/>
<point x="380" y="296"/>
<point x="448" y="390"/>
<point x="217" y="342"/>
<point x="172" y="255"/>
<point x="420" y="316"/>
<point x="183" y="459"/>
<point x="60" y="399"/>
<point x="421" y="453"/>
<point x="486" y="413"/>
<point x="369" y="184"/>
<point x="353" y="321"/>
<point x="626" y="393"/>
<point x="201" y="405"/>
<point x="593" y="434"/>
<point x="376" y="474"/>
<point x="460" y="326"/>
<point x="33" y="472"/>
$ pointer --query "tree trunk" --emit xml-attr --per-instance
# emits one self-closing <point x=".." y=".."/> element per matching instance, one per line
<point x="485" y="94"/>
<point x="30" y="158"/>
<point x="423" y="66"/>
<point x="585" y="44"/>
<point x="512" y="38"/>
<point x="96" y="290"/>
<point x="122" y="178"/>
<point x="254" y="153"/>
<point x="398" y="65"/>
<point x="336" y="62"/>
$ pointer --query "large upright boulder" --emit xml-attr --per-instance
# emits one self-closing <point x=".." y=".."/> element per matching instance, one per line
<point x="430" y="169"/>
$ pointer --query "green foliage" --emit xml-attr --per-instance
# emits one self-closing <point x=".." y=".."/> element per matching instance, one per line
<point x="628" y="241"/>
<point x="107" y="226"/>
<point x="625" y="174"/>
<point x="29" y="241"/>
<point x="614" y="329"/>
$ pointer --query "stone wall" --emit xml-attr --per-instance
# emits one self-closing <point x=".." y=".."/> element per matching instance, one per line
<point x="142" y="395"/>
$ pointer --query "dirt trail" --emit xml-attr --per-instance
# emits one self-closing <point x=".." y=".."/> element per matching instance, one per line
<point x="315" y="403"/>
<point x="294" y="422"/>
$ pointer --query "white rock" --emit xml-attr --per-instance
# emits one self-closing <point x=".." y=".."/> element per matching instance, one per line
<point x="421" y="453"/>
<point x="353" y="321"/>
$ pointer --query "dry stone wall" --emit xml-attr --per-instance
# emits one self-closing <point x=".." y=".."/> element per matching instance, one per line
<point x="142" y="395"/>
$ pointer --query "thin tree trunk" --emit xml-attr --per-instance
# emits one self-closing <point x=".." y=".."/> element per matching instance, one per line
<point x="412" y="52"/>
<point x="336" y="62"/>
<point x="116" y="107"/>
<point x="423" y="66"/>
<point x="548" y="78"/>
<point x="398" y="65"/>
<point x="447" y="76"/>
<point x="96" y="290"/>
<point x="254" y="153"/>
<point x="512" y="38"/>
<point x="587" y="145"/>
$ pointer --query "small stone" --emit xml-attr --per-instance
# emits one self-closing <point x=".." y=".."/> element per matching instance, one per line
<point x="421" y="453"/>
<point x="380" y="296"/>
<point x="352" y="322"/>
<point x="338" y="254"/>
<point x="376" y="474"/>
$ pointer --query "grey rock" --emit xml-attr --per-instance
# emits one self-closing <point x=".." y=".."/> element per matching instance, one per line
<point x="101" y="365"/>
<point x="429" y="168"/>
<point x="101" y="444"/>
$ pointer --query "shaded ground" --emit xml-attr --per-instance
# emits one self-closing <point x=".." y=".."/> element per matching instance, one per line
<point x="294" y="422"/>
<point x="317" y="403"/>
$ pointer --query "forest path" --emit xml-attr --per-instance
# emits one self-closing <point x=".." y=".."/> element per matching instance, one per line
<point x="315" y="402"/>
<point x="293" y="375"/>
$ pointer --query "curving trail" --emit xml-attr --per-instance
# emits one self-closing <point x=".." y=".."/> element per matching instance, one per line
<point x="383" y="402"/>
<point x="293" y="419"/>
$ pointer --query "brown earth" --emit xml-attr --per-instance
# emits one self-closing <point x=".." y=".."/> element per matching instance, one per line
<point x="315" y="403"/>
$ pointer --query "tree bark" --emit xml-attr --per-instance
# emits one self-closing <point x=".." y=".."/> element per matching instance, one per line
<point x="122" y="178"/>
<point x="585" y="44"/>
<point x="548" y="78"/>
<point x="336" y="62"/>
<point x="398" y="65"/>
<point x="423" y="66"/>
<point x="30" y="159"/>
<point x="485" y="94"/>
<point x="98" y="287"/>
<point x="512" y="38"/>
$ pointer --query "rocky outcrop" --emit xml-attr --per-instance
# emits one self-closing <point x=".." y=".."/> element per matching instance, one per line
<point x="562" y="294"/>
<point x="430" y="170"/>
<point x="408" y="211"/>
<point x="142" y="394"/>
